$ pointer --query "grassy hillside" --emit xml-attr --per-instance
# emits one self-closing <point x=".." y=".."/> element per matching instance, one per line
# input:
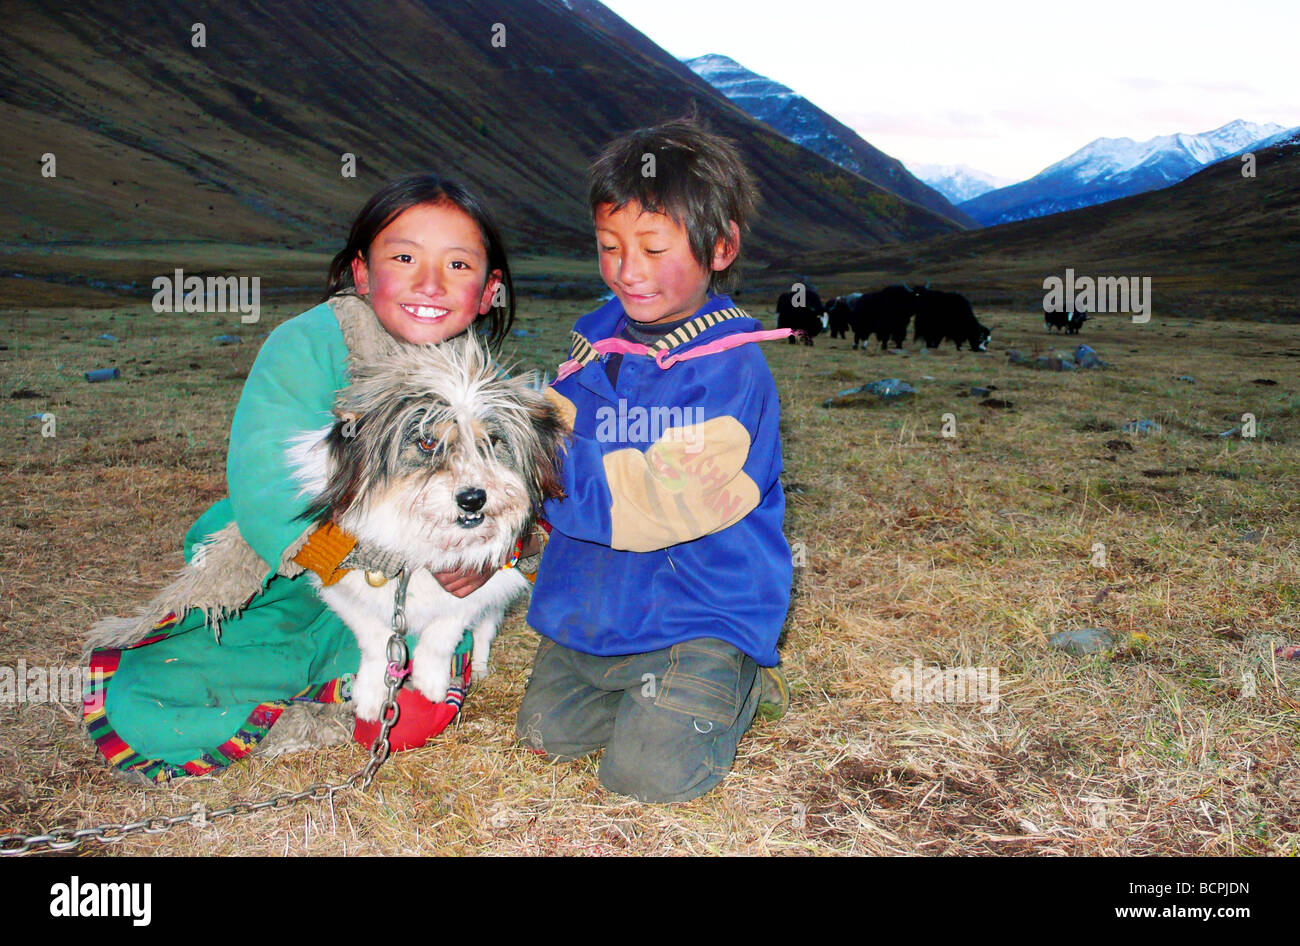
<point x="240" y="142"/>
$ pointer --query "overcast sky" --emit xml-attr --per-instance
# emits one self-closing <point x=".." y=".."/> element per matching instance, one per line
<point x="1006" y="86"/>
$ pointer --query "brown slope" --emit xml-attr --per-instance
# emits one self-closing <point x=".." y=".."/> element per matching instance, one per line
<point x="241" y="141"/>
<point x="1216" y="243"/>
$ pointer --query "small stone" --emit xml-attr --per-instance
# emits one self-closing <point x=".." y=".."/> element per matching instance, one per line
<point x="1141" y="427"/>
<point x="1082" y="641"/>
<point x="1054" y="362"/>
<point x="1085" y="357"/>
<point x="889" y="387"/>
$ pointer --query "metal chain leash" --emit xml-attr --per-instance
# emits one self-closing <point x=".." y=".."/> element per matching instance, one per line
<point x="398" y="654"/>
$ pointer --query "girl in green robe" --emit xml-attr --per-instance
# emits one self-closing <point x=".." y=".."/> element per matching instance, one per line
<point x="423" y="263"/>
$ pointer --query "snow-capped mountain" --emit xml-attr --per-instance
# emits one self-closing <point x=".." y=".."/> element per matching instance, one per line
<point x="958" y="182"/>
<point x="1109" y="168"/>
<point x="807" y="125"/>
<point x="1289" y="136"/>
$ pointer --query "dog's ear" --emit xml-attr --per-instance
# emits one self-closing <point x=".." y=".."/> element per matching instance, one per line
<point x="346" y="466"/>
<point x="550" y="445"/>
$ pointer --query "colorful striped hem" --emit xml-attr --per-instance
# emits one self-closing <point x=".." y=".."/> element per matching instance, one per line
<point x="122" y="757"/>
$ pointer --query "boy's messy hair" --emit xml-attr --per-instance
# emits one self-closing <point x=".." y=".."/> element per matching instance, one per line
<point x="680" y="169"/>
<point x="404" y="193"/>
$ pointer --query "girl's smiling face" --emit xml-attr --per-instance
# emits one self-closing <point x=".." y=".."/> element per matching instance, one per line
<point x="646" y="260"/>
<point x="426" y="274"/>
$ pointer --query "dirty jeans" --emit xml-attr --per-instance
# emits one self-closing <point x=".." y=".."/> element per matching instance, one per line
<point x="669" y="720"/>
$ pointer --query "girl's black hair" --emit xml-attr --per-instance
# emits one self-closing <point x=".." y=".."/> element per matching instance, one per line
<point x="404" y="193"/>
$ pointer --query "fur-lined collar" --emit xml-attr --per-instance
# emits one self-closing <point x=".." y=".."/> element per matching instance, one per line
<point x="363" y="333"/>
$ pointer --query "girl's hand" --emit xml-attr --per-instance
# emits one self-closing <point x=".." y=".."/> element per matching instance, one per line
<point x="465" y="581"/>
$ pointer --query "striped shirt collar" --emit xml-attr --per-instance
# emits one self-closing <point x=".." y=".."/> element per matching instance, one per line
<point x="716" y="310"/>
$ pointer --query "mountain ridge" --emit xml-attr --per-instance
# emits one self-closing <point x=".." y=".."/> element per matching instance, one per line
<point x="813" y="128"/>
<point x="958" y="182"/>
<point x="1216" y="244"/>
<point x="1107" y="169"/>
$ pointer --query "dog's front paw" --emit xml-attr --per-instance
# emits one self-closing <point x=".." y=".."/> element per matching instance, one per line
<point x="432" y="681"/>
<point x="479" y="670"/>
<point x="369" y="697"/>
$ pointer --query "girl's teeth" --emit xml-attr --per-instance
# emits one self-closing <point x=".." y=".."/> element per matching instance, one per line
<point x="425" y="311"/>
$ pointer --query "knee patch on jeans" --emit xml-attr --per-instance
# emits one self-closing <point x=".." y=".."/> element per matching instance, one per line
<point x="681" y="742"/>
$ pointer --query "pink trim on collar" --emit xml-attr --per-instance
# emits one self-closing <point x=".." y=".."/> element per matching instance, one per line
<point x="666" y="358"/>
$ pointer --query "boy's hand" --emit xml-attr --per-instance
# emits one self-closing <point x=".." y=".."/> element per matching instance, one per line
<point x="464" y="581"/>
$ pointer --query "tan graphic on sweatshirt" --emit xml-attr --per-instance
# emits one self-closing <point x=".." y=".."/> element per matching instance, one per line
<point x="687" y="484"/>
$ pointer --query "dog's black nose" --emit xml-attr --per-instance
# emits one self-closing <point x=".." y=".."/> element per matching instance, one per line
<point x="471" y="499"/>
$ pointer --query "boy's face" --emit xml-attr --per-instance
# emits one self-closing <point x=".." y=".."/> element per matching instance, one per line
<point x="426" y="274"/>
<point x="645" y="259"/>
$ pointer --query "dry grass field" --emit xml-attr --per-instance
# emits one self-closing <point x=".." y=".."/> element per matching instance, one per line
<point x="964" y="551"/>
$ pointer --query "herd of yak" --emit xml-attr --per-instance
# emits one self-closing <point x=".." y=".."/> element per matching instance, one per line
<point x="939" y="316"/>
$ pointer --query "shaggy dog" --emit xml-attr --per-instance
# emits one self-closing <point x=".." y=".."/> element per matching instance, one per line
<point x="436" y="460"/>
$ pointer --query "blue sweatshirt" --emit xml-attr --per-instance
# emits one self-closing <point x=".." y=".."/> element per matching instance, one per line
<point x="671" y="527"/>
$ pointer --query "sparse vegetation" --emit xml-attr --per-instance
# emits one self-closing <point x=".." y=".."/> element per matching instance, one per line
<point x="961" y="552"/>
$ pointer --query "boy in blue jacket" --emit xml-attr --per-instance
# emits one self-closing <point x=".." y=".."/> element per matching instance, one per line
<point x="666" y="579"/>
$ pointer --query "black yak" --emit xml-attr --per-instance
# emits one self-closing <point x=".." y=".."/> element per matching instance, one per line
<point x="885" y="314"/>
<point x="806" y="318"/>
<point x="838" y="312"/>
<point x="1068" y="322"/>
<point x="947" y="315"/>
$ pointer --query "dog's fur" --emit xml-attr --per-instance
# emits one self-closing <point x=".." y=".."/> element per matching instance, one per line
<point x="418" y="432"/>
